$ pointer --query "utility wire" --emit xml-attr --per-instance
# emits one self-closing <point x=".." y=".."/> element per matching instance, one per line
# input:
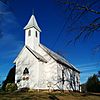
<point x="59" y="35"/>
<point x="89" y="70"/>
<point x="89" y="65"/>
<point x="62" y="29"/>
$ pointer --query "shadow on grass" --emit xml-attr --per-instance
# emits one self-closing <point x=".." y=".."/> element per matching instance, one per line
<point x="53" y="97"/>
<point x="91" y="94"/>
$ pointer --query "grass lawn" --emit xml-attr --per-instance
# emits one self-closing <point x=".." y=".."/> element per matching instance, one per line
<point x="48" y="96"/>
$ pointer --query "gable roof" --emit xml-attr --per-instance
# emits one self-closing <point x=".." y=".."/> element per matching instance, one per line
<point x="58" y="58"/>
<point x="32" y="23"/>
<point x="19" y="55"/>
<point x="37" y="55"/>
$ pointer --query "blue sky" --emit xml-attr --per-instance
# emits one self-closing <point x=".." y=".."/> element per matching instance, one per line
<point x="51" y="18"/>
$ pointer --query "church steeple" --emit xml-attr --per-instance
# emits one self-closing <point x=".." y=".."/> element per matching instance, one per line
<point x="32" y="23"/>
<point x="32" y="33"/>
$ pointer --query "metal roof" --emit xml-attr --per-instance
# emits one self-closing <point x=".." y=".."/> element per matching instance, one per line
<point x="32" y="23"/>
<point x="58" y="58"/>
<point x="37" y="55"/>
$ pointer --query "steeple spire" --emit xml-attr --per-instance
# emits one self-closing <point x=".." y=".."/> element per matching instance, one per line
<point x="32" y="23"/>
<point x="32" y="33"/>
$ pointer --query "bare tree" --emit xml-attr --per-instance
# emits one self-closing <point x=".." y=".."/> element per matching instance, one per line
<point x="78" y="11"/>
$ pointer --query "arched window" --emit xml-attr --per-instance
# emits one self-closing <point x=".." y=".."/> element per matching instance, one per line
<point x="36" y="34"/>
<point x="26" y="71"/>
<point x="29" y="33"/>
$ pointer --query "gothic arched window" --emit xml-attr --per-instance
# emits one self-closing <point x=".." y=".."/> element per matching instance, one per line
<point x="29" y="33"/>
<point x="26" y="71"/>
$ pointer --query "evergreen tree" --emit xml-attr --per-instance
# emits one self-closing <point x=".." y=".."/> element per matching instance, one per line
<point x="10" y="78"/>
<point x="93" y="84"/>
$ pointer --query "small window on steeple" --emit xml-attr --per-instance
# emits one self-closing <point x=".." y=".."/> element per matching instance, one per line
<point x="29" y="33"/>
<point x="36" y="34"/>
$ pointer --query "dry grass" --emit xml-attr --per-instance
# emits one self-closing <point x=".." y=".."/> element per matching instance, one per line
<point x="48" y="96"/>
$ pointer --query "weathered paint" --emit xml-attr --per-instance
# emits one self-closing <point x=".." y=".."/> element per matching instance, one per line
<point x="43" y="75"/>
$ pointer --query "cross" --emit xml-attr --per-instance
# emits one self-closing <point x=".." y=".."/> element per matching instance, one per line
<point x="33" y="12"/>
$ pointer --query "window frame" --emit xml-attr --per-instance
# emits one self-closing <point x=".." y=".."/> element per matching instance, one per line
<point x="36" y="34"/>
<point x="29" y="33"/>
<point x="26" y="71"/>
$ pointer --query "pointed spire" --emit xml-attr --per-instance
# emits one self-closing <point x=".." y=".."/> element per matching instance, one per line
<point x="32" y="23"/>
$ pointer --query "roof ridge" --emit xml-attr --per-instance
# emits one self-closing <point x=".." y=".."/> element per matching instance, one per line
<point x="54" y="55"/>
<point x="32" y="23"/>
<point x="54" y="52"/>
<point x="36" y="54"/>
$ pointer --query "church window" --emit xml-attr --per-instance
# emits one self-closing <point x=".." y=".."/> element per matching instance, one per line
<point x="18" y="80"/>
<point x="29" y="33"/>
<point x="36" y="34"/>
<point x="63" y="76"/>
<point x="26" y="71"/>
<point x="77" y="80"/>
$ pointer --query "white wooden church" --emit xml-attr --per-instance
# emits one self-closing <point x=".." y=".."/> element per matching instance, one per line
<point x="38" y="67"/>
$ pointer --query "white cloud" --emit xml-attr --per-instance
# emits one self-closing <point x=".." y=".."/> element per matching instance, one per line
<point x="10" y="44"/>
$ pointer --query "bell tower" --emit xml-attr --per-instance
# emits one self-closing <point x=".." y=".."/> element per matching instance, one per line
<point x="32" y="33"/>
